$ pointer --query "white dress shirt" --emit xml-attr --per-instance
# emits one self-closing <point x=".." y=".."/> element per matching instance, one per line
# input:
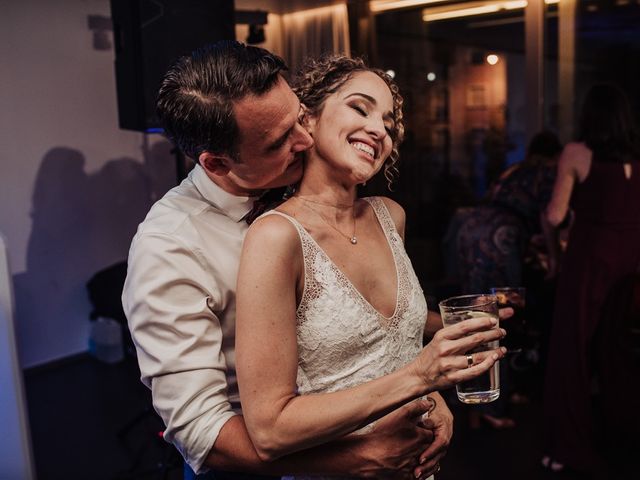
<point x="180" y="302"/>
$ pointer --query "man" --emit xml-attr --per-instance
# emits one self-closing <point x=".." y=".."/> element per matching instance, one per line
<point x="228" y="107"/>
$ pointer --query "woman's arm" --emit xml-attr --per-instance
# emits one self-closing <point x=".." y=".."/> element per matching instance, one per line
<point x="565" y="180"/>
<point x="552" y="242"/>
<point x="279" y="420"/>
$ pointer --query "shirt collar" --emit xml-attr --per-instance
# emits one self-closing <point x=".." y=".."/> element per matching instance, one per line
<point x="233" y="206"/>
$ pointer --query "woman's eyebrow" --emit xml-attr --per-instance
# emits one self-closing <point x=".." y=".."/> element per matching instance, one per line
<point x="364" y="95"/>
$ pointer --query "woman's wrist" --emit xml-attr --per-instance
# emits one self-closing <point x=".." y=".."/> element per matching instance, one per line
<point x="417" y="383"/>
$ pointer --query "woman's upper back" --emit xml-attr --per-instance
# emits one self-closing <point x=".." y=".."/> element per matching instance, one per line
<point x="608" y="193"/>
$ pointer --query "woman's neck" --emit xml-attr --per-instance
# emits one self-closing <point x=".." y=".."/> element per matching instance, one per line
<point x="322" y="186"/>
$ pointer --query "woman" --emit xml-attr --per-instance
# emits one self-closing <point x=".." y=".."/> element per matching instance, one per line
<point x="492" y="239"/>
<point x="330" y="315"/>
<point x="599" y="178"/>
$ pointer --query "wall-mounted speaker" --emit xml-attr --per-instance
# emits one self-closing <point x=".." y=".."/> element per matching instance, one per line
<point x="149" y="35"/>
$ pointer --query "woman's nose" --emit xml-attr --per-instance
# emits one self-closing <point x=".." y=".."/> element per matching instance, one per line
<point x="377" y="128"/>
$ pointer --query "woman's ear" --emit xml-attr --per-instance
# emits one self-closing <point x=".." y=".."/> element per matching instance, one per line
<point x="306" y="119"/>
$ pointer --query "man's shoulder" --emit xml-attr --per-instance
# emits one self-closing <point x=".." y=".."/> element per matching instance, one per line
<point x="179" y="209"/>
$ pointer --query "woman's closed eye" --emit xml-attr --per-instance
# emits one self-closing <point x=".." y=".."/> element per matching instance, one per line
<point x="360" y="109"/>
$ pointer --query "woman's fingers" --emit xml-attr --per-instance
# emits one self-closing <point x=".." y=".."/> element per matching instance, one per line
<point x="472" y="359"/>
<point x="465" y="344"/>
<point x="484" y="361"/>
<point x="467" y="327"/>
<point x="448" y="359"/>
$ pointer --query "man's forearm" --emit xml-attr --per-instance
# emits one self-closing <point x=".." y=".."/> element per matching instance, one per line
<point x="233" y="451"/>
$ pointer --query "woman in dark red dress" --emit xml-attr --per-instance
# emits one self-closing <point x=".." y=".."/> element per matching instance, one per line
<point x="599" y="178"/>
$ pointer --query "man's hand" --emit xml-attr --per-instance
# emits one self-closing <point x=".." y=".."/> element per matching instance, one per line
<point x="440" y="422"/>
<point x="393" y="447"/>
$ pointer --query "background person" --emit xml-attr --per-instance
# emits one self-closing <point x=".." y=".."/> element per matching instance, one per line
<point x="599" y="178"/>
<point x="492" y="240"/>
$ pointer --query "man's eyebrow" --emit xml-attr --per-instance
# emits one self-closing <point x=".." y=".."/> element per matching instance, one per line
<point x="386" y="116"/>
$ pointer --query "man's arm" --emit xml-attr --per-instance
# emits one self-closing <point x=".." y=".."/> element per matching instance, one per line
<point x="391" y="449"/>
<point x="169" y="298"/>
<point x="179" y="351"/>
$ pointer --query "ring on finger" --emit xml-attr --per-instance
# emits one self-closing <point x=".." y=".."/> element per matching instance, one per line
<point x="469" y="360"/>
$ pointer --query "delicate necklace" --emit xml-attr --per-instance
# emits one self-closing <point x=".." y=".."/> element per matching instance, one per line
<point x="353" y="239"/>
<point x="336" y="205"/>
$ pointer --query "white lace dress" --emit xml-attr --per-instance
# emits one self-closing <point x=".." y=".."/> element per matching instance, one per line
<point x="343" y="340"/>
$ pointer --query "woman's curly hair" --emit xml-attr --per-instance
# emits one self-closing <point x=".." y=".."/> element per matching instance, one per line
<point x="319" y="78"/>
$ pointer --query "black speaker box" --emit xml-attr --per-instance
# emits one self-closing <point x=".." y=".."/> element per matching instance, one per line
<point x="149" y="35"/>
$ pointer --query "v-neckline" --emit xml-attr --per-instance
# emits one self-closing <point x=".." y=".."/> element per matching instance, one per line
<point x="348" y="281"/>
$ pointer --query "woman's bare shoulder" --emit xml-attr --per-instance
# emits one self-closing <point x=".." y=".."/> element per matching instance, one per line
<point x="577" y="149"/>
<point x="576" y="157"/>
<point x="273" y="233"/>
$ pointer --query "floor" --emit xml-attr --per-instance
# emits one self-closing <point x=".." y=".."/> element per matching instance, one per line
<point x="79" y="412"/>
<point x="91" y="421"/>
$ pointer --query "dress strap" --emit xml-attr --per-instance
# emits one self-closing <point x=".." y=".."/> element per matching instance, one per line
<point x="383" y="215"/>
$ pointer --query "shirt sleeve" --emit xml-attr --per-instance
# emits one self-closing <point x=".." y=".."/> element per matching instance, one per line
<point x="170" y="299"/>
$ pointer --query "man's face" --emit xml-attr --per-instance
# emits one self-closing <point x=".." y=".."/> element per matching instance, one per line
<point x="269" y="142"/>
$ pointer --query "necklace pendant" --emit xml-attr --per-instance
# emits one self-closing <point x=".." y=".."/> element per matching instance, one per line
<point x="353" y="240"/>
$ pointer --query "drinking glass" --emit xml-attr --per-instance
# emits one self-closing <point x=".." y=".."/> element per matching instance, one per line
<point x="485" y="387"/>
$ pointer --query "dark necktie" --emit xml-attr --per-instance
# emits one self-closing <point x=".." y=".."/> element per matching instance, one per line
<point x="268" y="200"/>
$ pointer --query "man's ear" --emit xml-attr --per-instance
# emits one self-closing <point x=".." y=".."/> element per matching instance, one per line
<point x="215" y="164"/>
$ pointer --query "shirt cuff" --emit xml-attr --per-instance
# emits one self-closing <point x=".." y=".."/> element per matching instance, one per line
<point x="197" y="455"/>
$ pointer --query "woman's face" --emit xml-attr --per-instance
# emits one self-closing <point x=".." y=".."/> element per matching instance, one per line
<point x="351" y="132"/>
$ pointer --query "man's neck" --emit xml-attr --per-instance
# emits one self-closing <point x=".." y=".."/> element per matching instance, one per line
<point x="227" y="183"/>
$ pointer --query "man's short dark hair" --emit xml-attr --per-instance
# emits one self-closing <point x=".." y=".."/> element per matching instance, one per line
<point x="195" y="101"/>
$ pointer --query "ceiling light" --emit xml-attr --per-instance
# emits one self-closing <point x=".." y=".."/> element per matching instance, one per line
<point x="468" y="9"/>
<point x="383" y="5"/>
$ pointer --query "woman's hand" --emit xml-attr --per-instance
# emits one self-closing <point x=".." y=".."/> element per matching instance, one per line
<point x="443" y="363"/>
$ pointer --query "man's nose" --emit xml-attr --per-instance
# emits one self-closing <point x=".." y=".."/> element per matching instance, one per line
<point x="303" y="141"/>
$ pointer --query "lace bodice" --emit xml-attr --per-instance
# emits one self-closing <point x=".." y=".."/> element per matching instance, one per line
<point x="343" y="340"/>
